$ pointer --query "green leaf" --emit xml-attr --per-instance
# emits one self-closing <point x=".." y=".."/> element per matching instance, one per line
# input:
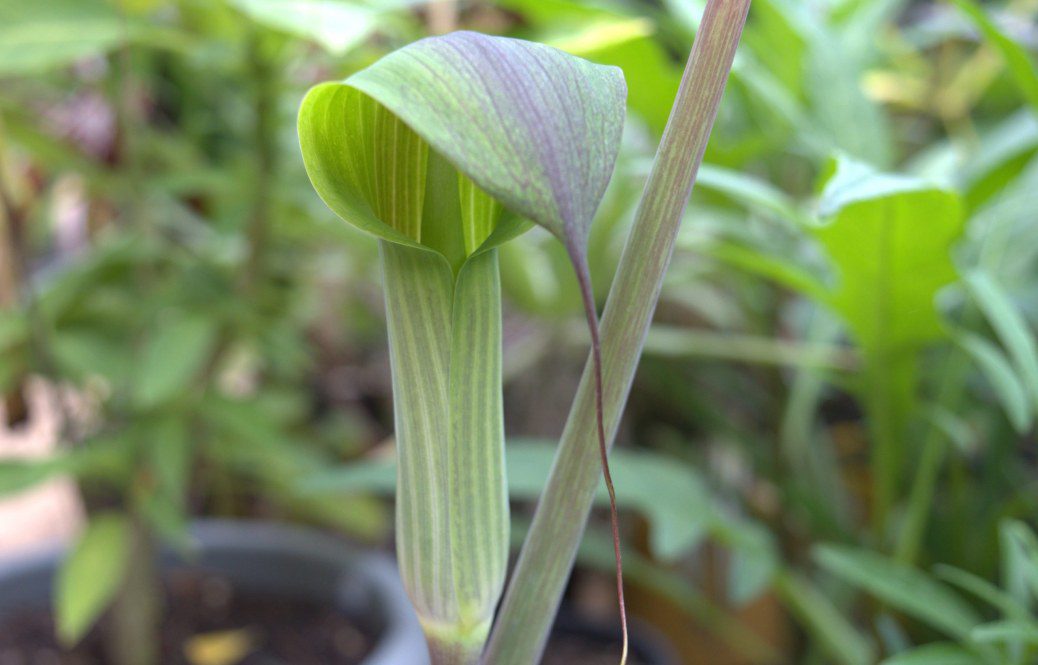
<point x="1022" y="69"/>
<point x="168" y="448"/>
<point x="1006" y="631"/>
<point x="35" y="36"/>
<point x="1009" y="324"/>
<point x="173" y="357"/>
<point x="91" y="575"/>
<point x="903" y="587"/>
<point x="751" y="192"/>
<point x="780" y="270"/>
<point x="1003" y="379"/>
<point x="672" y="497"/>
<point x="838" y="636"/>
<point x="940" y="653"/>
<point x="889" y="239"/>
<point x="337" y="26"/>
<point x="18" y="475"/>
<point x="1019" y="560"/>
<point x="984" y="590"/>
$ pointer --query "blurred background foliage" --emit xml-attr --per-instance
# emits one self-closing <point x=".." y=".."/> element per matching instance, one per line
<point x="829" y="455"/>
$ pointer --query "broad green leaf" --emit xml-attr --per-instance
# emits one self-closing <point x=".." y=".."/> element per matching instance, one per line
<point x="172" y="358"/>
<point x="940" y="653"/>
<point x="39" y="36"/>
<point x="91" y="575"/>
<point x="337" y="26"/>
<point x="1021" y="67"/>
<point x="102" y="456"/>
<point x="901" y="586"/>
<point x="1012" y="329"/>
<point x="999" y="373"/>
<point x="18" y="475"/>
<point x="889" y="238"/>
<point x="83" y="353"/>
<point x="35" y="36"/>
<point x="672" y="497"/>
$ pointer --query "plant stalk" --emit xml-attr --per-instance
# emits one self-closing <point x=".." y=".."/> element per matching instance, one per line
<point x="547" y="556"/>
<point x="135" y="622"/>
<point x="451" y="500"/>
<point x="12" y="268"/>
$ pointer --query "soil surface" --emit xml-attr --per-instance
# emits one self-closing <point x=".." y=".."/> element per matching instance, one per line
<point x="206" y="621"/>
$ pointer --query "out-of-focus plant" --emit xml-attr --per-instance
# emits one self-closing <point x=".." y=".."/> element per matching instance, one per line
<point x="1012" y="638"/>
<point x="166" y="300"/>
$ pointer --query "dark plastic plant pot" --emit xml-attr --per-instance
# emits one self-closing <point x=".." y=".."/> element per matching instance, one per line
<point x="274" y="559"/>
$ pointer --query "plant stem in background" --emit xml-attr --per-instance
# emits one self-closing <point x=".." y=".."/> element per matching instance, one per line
<point x="536" y="588"/>
<point x="12" y="265"/>
<point x="137" y="608"/>
<point x="264" y="133"/>
<point x="954" y="373"/>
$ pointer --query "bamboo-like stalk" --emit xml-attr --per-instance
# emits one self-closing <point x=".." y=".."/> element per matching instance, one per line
<point x="535" y="590"/>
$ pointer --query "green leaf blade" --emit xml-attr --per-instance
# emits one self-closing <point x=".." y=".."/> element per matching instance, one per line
<point x="901" y="586"/>
<point x="1009" y="324"/>
<point x="1022" y="69"/>
<point x="91" y="575"/>
<point x="889" y="238"/>
<point x="336" y="26"/>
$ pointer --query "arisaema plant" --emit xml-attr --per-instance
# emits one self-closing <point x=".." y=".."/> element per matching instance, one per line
<point x="443" y="151"/>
